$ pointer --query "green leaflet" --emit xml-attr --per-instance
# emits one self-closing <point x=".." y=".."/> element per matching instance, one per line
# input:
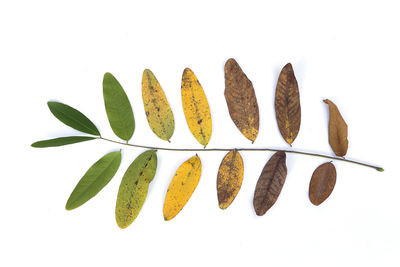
<point x="62" y="141"/>
<point x="134" y="186"/>
<point x="94" y="179"/>
<point x="72" y="117"/>
<point x="118" y="108"/>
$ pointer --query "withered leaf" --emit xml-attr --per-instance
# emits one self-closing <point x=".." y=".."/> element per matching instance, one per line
<point x="322" y="183"/>
<point x="337" y="130"/>
<point x="287" y="104"/>
<point x="270" y="183"/>
<point x="229" y="179"/>
<point x="241" y="100"/>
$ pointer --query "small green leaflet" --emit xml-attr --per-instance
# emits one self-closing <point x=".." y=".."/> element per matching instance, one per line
<point x="134" y="187"/>
<point x="118" y="108"/>
<point x="72" y="117"/>
<point x="94" y="179"/>
<point x="62" y="141"/>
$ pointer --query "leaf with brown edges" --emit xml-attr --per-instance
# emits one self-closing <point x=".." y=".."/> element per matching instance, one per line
<point x="337" y="130"/>
<point x="322" y="183"/>
<point x="241" y="100"/>
<point x="287" y="104"/>
<point x="270" y="183"/>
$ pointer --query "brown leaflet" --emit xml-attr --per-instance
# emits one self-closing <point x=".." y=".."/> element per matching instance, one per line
<point x="287" y="104"/>
<point x="229" y="179"/>
<point x="337" y="130"/>
<point x="241" y="100"/>
<point x="270" y="183"/>
<point x="322" y="183"/>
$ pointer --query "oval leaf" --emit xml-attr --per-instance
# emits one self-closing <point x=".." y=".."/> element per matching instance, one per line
<point x="196" y="108"/>
<point x="287" y="104"/>
<point x="229" y="179"/>
<point x="72" y="117"/>
<point x="182" y="187"/>
<point x="158" y="112"/>
<point x="94" y="179"/>
<point x="118" y="108"/>
<point x="337" y="130"/>
<point x="62" y="141"/>
<point x="322" y="183"/>
<point x="241" y="100"/>
<point x="270" y="183"/>
<point x="134" y="186"/>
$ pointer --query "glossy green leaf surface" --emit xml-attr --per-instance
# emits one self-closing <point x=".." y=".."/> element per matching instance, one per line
<point x="62" y="141"/>
<point x="134" y="187"/>
<point x="118" y="108"/>
<point x="72" y="117"/>
<point x="98" y="176"/>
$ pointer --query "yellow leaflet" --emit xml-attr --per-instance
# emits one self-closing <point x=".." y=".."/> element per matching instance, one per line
<point x="158" y="112"/>
<point x="195" y="106"/>
<point x="229" y="179"/>
<point x="181" y="187"/>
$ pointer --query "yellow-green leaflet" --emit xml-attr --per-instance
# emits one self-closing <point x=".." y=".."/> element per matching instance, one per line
<point x="158" y="112"/>
<point x="134" y="186"/>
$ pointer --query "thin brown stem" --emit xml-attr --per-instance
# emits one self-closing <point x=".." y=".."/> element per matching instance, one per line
<point x="247" y="149"/>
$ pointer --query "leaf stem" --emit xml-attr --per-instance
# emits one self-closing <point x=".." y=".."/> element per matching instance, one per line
<point x="249" y="149"/>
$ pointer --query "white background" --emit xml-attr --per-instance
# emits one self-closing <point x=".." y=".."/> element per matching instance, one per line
<point x="347" y="51"/>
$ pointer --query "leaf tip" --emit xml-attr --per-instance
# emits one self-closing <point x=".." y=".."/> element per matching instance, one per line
<point x="379" y="169"/>
<point x="223" y="206"/>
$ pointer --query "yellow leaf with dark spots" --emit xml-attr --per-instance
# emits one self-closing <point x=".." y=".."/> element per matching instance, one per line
<point x="158" y="112"/>
<point x="229" y="179"/>
<point x="182" y="187"/>
<point x="196" y="108"/>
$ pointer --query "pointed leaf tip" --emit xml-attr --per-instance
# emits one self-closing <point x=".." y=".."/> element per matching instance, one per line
<point x="72" y="117"/>
<point x="118" y="108"/>
<point x="95" y="179"/>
